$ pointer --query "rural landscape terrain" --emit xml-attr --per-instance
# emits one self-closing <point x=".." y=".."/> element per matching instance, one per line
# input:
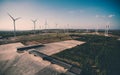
<point x="98" y="55"/>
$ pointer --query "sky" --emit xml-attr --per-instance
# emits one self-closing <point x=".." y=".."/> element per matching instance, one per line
<point x="75" y="14"/>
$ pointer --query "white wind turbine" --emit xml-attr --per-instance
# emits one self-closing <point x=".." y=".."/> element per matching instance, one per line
<point x="34" y="23"/>
<point x="56" y="26"/>
<point x="46" y="24"/>
<point x="40" y="28"/>
<point x="108" y="26"/>
<point x="107" y="29"/>
<point x="96" y="30"/>
<point x="68" y="28"/>
<point x="87" y="30"/>
<point x="14" y="20"/>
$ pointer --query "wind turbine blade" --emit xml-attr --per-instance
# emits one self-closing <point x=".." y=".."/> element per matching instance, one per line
<point x="10" y="16"/>
<point x="17" y="18"/>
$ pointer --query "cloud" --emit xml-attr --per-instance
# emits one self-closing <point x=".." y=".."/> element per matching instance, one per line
<point x="97" y="16"/>
<point x="110" y="16"/>
<point x="100" y="16"/>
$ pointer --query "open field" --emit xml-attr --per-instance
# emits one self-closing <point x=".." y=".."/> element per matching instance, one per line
<point x="36" y="39"/>
<point x="99" y="55"/>
<point x="27" y="37"/>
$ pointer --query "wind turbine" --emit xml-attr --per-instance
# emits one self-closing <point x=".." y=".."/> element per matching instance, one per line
<point x="68" y="28"/>
<point x="40" y="29"/>
<point x="46" y="25"/>
<point x="64" y="29"/>
<point x="87" y="30"/>
<point x="56" y="29"/>
<point x="56" y="26"/>
<point x="34" y="23"/>
<point x="107" y="29"/>
<point x="96" y="30"/>
<point x="14" y="20"/>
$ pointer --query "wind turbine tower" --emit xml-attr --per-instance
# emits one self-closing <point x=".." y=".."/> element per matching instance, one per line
<point x="87" y="30"/>
<point x="46" y="24"/>
<point x="34" y="23"/>
<point x="57" y="31"/>
<point x="14" y="20"/>
<point x="68" y="28"/>
<point x="40" y="29"/>
<point x="107" y="29"/>
<point x="56" y="26"/>
<point x="96" y="30"/>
